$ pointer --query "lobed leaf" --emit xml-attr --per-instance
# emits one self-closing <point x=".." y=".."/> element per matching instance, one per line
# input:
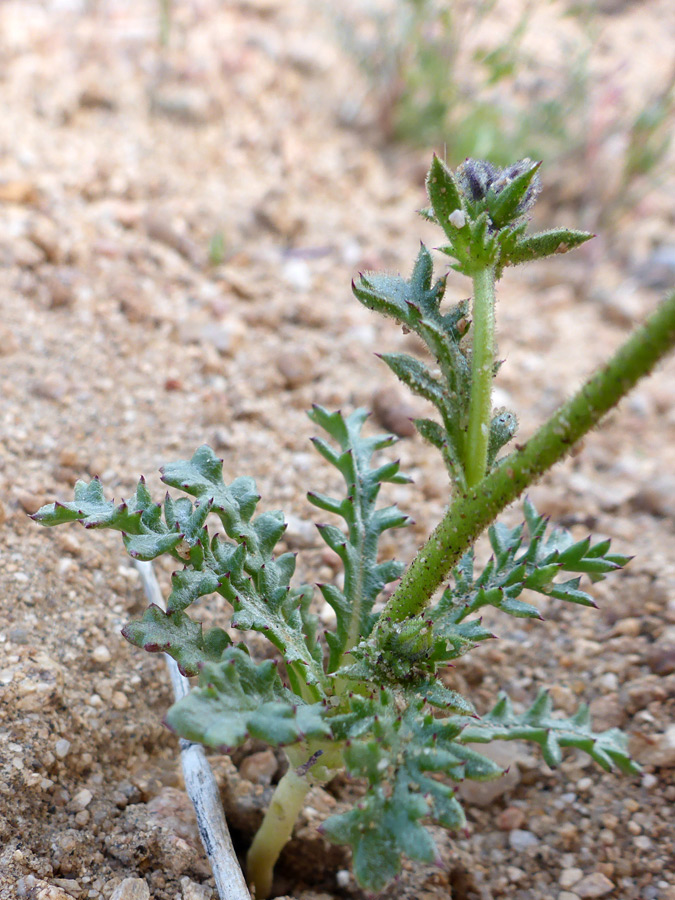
<point x="237" y="699"/>
<point x="364" y="577"/>
<point x="92" y="509"/>
<point x="537" y="724"/>
<point x="178" y="635"/>
<point x="401" y="752"/>
<point x="519" y="563"/>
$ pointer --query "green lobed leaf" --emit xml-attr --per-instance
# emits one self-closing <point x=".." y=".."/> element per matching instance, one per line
<point x="243" y="569"/>
<point x="527" y="556"/>
<point x="364" y="576"/>
<point x="92" y="509"/>
<point x="202" y="477"/>
<point x="545" y="243"/>
<point x="181" y="515"/>
<point x="237" y="699"/>
<point x="150" y="546"/>
<point x="537" y="724"/>
<point x="178" y="635"/>
<point x="416" y="375"/>
<point x="190" y="584"/>
<point x="401" y="751"/>
<point x="416" y="305"/>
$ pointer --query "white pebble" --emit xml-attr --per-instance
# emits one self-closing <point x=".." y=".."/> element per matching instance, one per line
<point x="342" y="878"/>
<point x="101" y="654"/>
<point x="569" y="877"/>
<point x="649" y="781"/>
<point x="514" y="874"/>
<point x="82" y="799"/>
<point x="61" y="748"/>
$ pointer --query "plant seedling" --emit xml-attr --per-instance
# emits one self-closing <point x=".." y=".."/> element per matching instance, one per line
<point x="367" y="698"/>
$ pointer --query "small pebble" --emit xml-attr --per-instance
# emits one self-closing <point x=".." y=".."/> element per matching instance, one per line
<point x="194" y="891"/>
<point x="61" y="748"/>
<point x="61" y="285"/>
<point x="661" y="657"/>
<point x="51" y="892"/>
<point x="82" y="799"/>
<point x="569" y="877"/>
<point x="19" y="635"/>
<point x="119" y="700"/>
<point x="393" y="412"/>
<point x="594" y="885"/>
<point x="131" y="889"/>
<point x="514" y="874"/>
<point x="29" y="502"/>
<point x="51" y="387"/>
<point x="26" y="254"/>
<point x="101" y="654"/>
<point x="296" y="272"/>
<point x="300" y="534"/>
<point x="629" y="627"/>
<point x="8" y="342"/>
<point x="520" y="840"/>
<point x="342" y="877"/>
<point x="567" y="895"/>
<point x="657" y="496"/>
<point x="660" y="750"/>
<point x="642" y="842"/>
<point x="510" y="818"/>
<point x="297" y="367"/>
<point x="68" y="884"/>
<point x="259" y="767"/>
<point x="70" y="544"/>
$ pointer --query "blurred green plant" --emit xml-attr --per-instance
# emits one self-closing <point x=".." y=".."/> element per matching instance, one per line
<point x="414" y="55"/>
<point x="440" y="73"/>
<point x="164" y="22"/>
<point x="217" y="248"/>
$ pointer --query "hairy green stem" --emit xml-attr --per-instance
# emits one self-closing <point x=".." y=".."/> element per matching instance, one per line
<point x="482" y="373"/>
<point x="276" y="829"/>
<point x="471" y="512"/>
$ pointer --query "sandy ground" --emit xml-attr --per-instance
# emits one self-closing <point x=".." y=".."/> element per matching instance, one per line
<point x="122" y="347"/>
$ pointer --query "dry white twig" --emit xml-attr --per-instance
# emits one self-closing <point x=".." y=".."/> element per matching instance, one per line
<point x="200" y="784"/>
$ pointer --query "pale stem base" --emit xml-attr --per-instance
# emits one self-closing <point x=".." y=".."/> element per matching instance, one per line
<point x="275" y="831"/>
